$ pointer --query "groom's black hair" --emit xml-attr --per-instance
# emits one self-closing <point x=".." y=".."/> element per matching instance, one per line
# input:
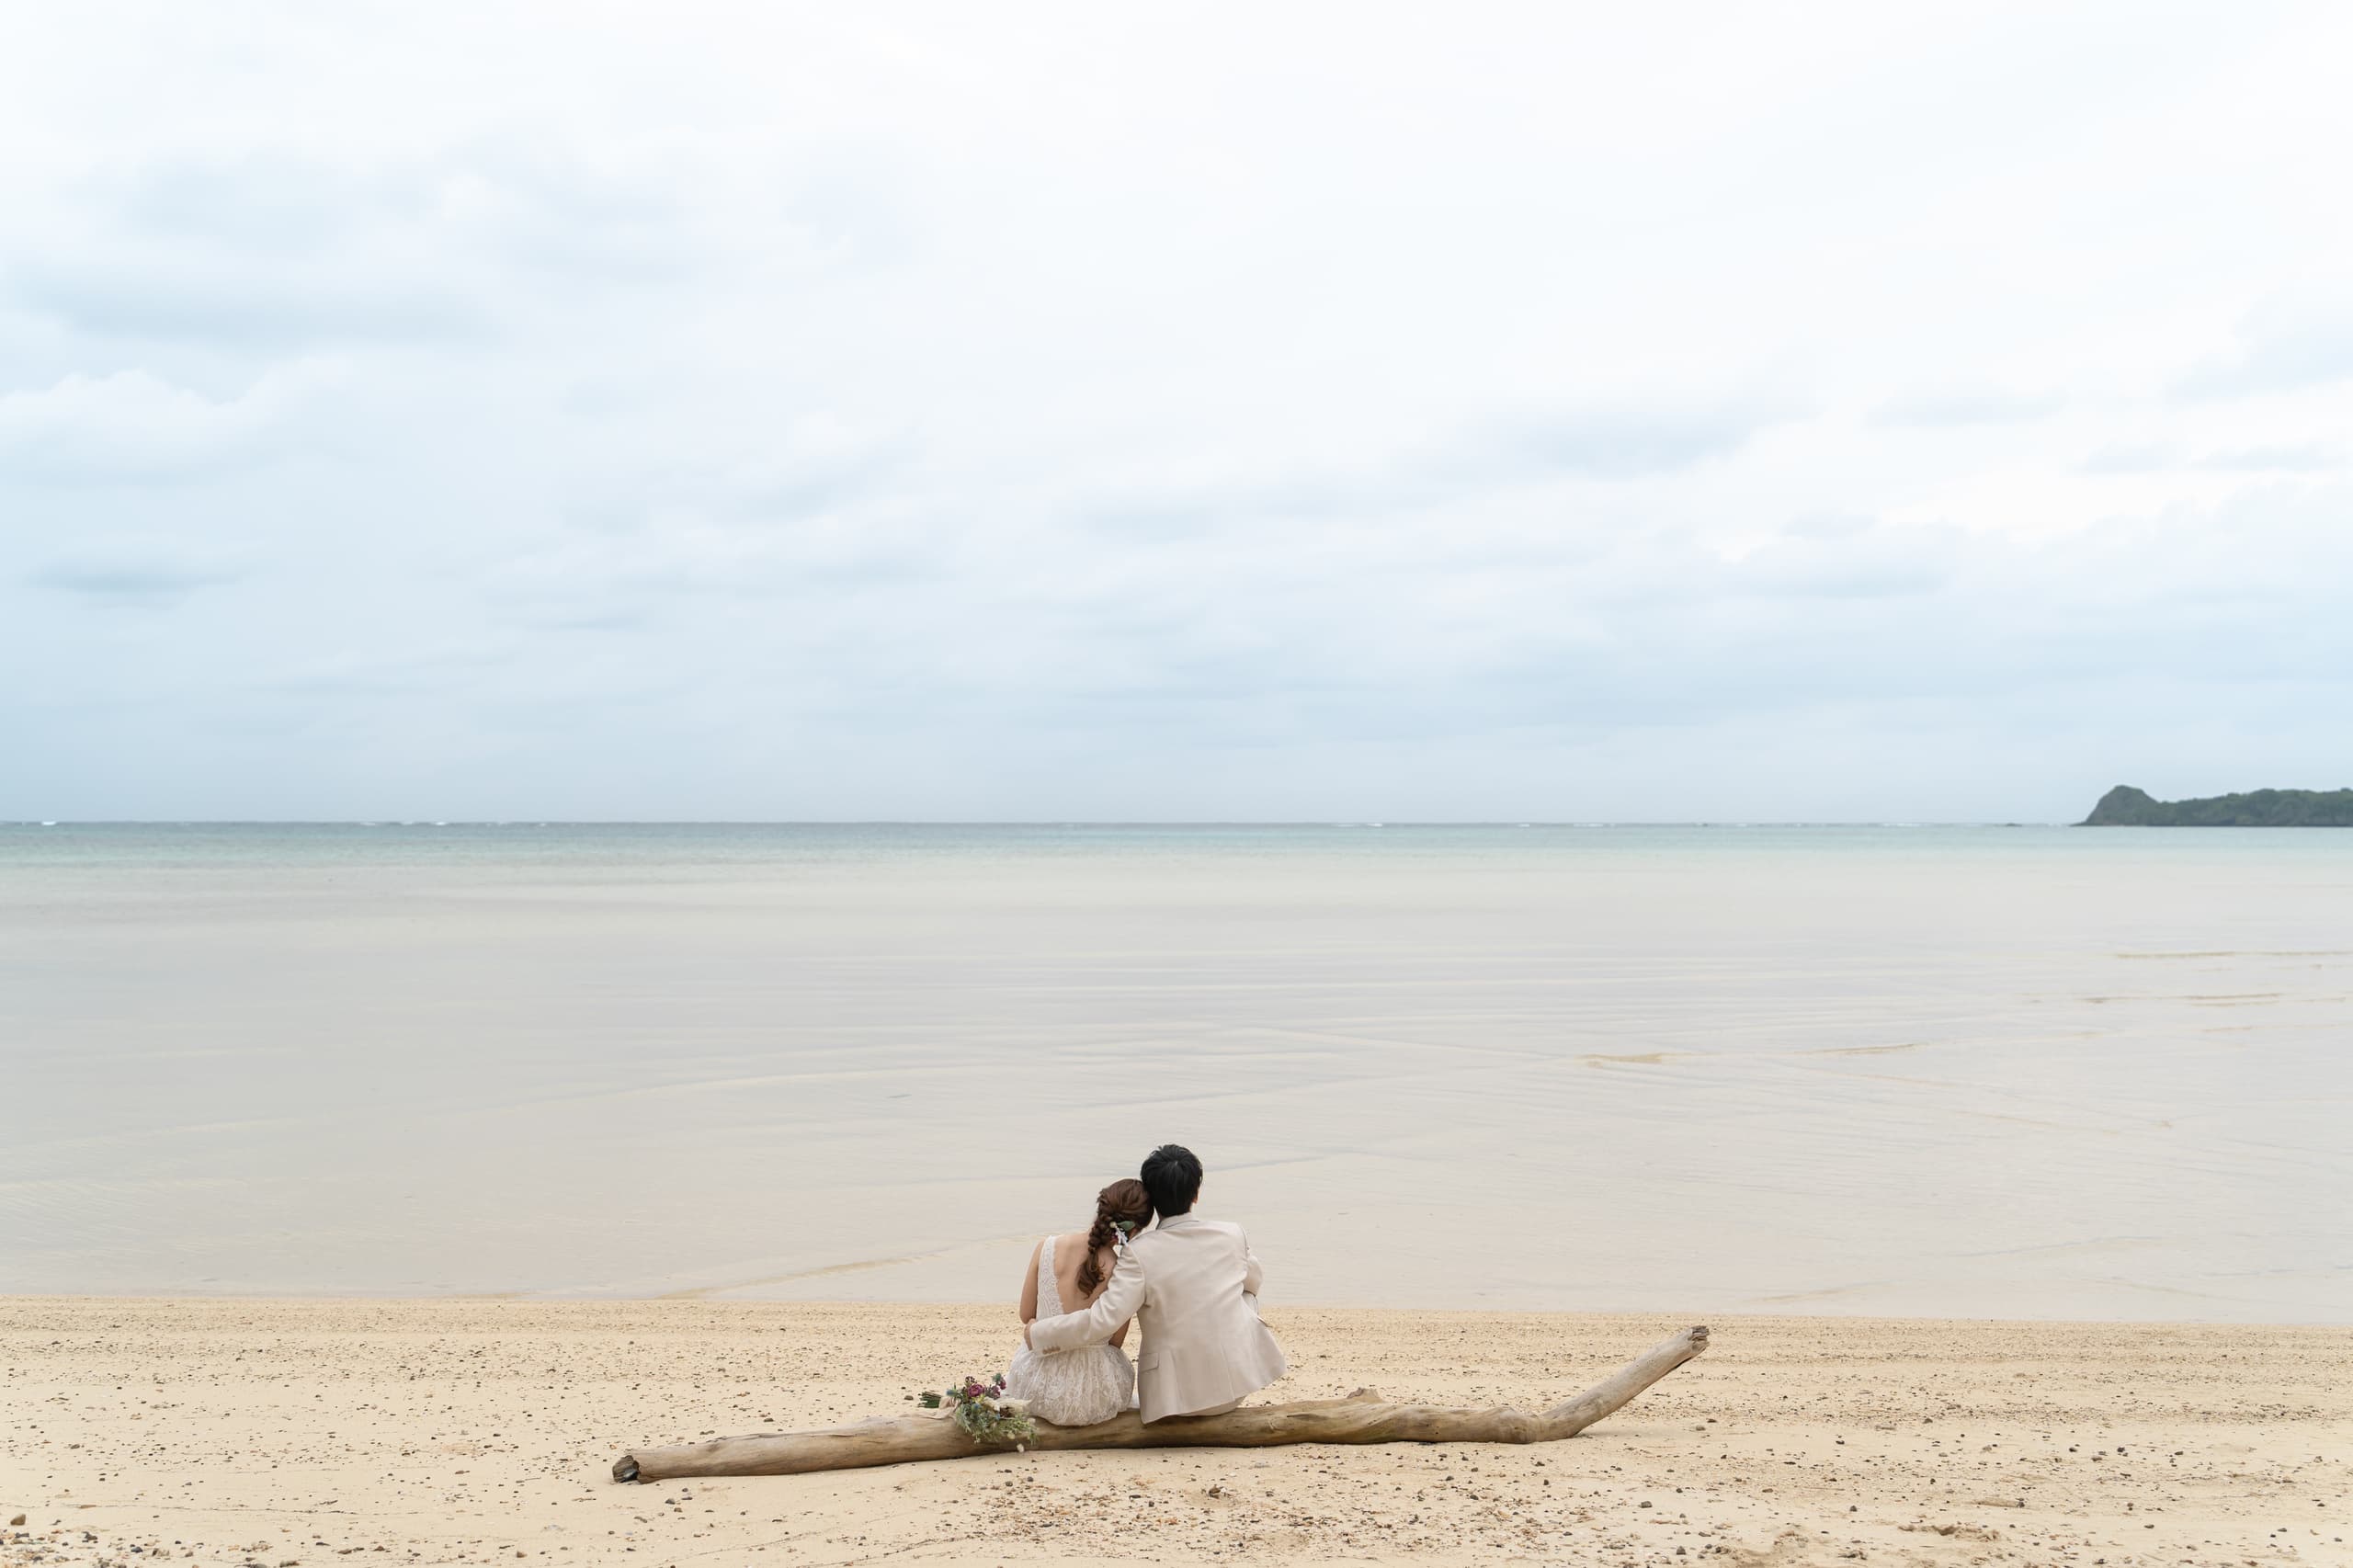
<point x="1172" y="1174"/>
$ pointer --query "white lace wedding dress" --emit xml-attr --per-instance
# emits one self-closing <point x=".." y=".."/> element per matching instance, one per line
<point x="1069" y="1388"/>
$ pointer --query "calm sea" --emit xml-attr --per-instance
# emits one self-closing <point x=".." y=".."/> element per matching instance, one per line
<point x="1997" y="1071"/>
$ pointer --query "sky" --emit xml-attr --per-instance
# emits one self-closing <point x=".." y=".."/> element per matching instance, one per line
<point x="1209" y="413"/>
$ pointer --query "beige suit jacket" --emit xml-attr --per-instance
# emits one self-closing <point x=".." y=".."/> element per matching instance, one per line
<point x="1192" y="1287"/>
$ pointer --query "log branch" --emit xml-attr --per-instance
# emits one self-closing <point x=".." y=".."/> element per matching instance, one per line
<point x="1362" y="1417"/>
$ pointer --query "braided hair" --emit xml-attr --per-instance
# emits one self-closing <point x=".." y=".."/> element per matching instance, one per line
<point x="1121" y="1202"/>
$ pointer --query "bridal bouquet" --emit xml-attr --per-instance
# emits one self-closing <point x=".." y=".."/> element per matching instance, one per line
<point x="982" y="1411"/>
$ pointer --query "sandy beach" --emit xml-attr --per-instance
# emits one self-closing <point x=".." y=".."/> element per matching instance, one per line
<point x="277" y="1433"/>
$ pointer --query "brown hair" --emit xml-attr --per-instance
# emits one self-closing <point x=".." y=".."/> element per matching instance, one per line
<point x="1125" y="1200"/>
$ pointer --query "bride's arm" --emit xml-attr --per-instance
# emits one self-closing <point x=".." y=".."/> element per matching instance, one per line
<point x="1030" y="1286"/>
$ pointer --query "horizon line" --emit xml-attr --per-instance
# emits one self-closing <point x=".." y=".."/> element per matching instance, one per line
<point x="1357" y="823"/>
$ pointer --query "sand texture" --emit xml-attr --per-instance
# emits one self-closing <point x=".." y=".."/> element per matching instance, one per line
<point x="276" y="1433"/>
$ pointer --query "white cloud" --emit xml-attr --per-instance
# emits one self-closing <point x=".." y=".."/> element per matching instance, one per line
<point x="1096" y="416"/>
<point x="125" y="573"/>
<point x="1976" y="407"/>
<point x="2282" y="349"/>
<point x="132" y="425"/>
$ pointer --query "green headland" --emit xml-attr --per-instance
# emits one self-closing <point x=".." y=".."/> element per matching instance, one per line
<point x="2125" y="807"/>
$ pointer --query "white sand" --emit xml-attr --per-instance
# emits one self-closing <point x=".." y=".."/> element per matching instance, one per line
<point x="235" y="1432"/>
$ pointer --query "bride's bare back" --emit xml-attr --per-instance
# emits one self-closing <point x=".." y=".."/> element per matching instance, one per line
<point x="1070" y="1253"/>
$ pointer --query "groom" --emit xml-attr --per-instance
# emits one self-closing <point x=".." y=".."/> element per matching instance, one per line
<point x="1192" y="1287"/>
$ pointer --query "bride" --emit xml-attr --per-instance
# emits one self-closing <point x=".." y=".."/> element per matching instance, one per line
<point x="1092" y="1382"/>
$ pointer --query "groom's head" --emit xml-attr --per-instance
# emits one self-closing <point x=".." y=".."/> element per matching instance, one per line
<point x="1172" y="1174"/>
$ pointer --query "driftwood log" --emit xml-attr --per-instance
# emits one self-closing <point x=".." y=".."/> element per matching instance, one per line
<point x="1362" y="1417"/>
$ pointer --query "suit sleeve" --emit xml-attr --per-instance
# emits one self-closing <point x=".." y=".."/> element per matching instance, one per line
<point x="1115" y="1306"/>
<point x="1252" y="1275"/>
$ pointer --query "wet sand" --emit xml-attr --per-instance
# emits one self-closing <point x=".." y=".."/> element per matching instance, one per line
<point x="243" y="1432"/>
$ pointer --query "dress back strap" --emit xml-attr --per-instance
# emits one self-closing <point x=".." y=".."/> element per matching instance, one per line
<point x="1050" y="1295"/>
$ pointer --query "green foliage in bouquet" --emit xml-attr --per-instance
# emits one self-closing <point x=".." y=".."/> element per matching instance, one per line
<point x="977" y="1413"/>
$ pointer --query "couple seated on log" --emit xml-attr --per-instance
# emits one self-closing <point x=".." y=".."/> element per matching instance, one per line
<point x="1189" y="1284"/>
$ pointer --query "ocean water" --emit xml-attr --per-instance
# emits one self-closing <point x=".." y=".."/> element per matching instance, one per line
<point x="1981" y="1072"/>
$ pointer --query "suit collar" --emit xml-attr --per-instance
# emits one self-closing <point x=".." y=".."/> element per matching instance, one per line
<point x="1178" y="1222"/>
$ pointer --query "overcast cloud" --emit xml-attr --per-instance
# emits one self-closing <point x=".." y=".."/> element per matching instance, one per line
<point x="987" y="413"/>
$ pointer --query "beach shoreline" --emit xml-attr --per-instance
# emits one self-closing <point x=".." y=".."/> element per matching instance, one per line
<point x="235" y="1430"/>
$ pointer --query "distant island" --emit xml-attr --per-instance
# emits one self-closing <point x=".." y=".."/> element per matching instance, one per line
<point x="2125" y="807"/>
